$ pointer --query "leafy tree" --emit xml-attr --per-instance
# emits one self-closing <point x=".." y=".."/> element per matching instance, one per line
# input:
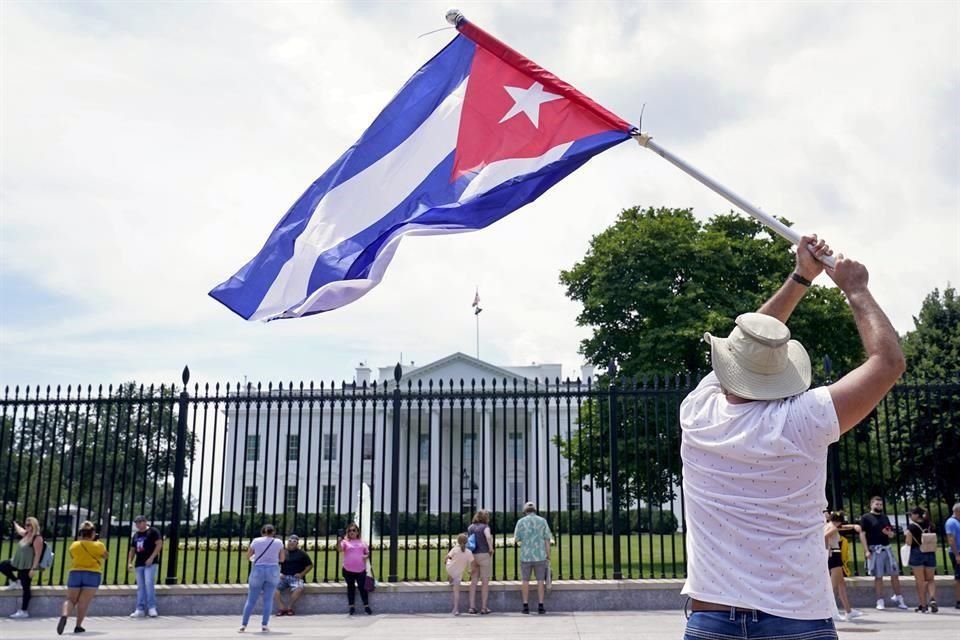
<point x="650" y="286"/>
<point x="927" y="436"/>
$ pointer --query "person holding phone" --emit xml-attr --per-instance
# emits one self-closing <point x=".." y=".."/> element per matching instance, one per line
<point x="355" y="553"/>
<point x="875" y="535"/>
<point x="23" y="566"/>
<point x="266" y="553"/>
<point x="86" y="571"/>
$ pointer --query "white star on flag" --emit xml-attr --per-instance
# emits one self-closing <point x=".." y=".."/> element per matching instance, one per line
<point x="528" y="101"/>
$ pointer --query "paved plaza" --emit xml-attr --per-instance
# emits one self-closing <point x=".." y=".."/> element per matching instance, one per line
<point x="649" y="625"/>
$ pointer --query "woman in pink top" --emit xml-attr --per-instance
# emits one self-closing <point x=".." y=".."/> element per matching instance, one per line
<point x="355" y="554"/>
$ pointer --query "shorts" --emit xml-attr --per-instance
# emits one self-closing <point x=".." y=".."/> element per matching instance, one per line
<point x="289" y="582"/>
<point x="956" y="565"/>
<point x="484" y="564"/>
<point x="538" y="569"/>
<point x="84" y="579"/>
<point x="920" y="559"/>
<point x="453" y="577"/>
<point x="881" y="562"/>
<point x="835" y="560"/>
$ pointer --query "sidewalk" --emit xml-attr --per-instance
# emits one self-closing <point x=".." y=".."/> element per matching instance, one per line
<point x="646" y="625"/>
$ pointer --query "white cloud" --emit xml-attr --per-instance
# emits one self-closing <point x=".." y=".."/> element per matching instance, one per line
<point x="146" y="156"/>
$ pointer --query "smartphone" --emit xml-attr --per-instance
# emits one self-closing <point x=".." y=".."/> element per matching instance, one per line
<point x="341" y="533"/>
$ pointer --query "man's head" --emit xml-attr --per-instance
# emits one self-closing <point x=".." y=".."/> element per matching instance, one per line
<point x="956" y="511"/>
<point x="758" y="360"/>
<point x="293" y="542"/>
<point x="529" y="508"/>
<point x="140" y="522"/>
<point x="876" y="504"/>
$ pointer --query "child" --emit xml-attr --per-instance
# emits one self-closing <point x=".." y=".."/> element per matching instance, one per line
<point x="458" y="560"/>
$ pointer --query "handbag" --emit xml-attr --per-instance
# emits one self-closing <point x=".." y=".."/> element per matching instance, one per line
<point x="370" y="585"/>
<point x="905" y="555"/>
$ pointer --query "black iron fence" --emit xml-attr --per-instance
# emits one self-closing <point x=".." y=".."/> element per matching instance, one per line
<point x="411" y="461"/>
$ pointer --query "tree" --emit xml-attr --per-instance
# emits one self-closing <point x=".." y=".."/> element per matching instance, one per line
<point x="928" y="433"/>
<point x="650" y="286"/>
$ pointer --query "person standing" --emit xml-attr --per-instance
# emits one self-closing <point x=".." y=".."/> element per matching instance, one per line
<point x="87" y="554"/>
<point x="482" y="568"/>
<point x="355" y="553"/>
<point x="533" y="535"/>
<point x="923" y="559"/>
<point x="952" y="528"/>
<point x="831" y="533"/>
<point x="875" y="535"/>
<point x="23" y="566"/>
<point x="145" y="547"/>
<point x="292" y="572"/>
<point x="266" y="553"/>
<point x="458" y="559"/>
<point x="754" y="440"/>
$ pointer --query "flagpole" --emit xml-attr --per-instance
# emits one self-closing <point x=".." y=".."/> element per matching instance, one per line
<point x="791" y="235"/>
<point x="477" y="316"/>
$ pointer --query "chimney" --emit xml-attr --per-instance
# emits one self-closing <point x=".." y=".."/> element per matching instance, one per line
<point x="586" y="372"/>
<point x="363" y="374"/>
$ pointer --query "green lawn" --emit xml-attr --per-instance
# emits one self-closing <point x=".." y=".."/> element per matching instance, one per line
<point x="574" y="557"/>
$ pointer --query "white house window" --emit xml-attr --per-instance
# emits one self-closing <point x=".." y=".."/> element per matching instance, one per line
<point x="250" y="499"/>
<point x="293" y="447"/>
<point x="328" y="497"/>
<point x="368" y="446"/>
<point x="423" y="497"/>
<point x="516" y="495"/>
<point x="424" y="447"/>
<point x="253" y="447"/>
<point x="515" y="445"/>
<point x="291" y="498"/>
<point x="574" y="497"/>
<point x="330" y="447"/>
<point x="469" y="447"/>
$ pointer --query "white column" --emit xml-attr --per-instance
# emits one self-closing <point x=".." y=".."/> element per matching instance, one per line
<point x="486" y="499"/>
<point x="436" y="499"/>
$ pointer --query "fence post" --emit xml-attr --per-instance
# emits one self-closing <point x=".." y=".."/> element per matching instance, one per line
<point x="833" y="453"/>
<point x="395" y="478"/>
<point x="614" y="470"/>
<point x="179" y="469"/>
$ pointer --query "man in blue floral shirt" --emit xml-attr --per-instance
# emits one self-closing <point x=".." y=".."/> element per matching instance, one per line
<point x="533" y="535"/>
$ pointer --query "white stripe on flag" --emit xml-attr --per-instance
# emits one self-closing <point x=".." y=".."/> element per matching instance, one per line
<point x="342" y="292"/>
<point x="378" y="188"/>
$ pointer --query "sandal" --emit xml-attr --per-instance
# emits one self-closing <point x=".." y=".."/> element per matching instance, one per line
<point x="485" y="612"/>
<point x="472" y="611"/>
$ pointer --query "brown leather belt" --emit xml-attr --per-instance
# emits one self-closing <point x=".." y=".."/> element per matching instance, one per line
<point x="699" y="605"/>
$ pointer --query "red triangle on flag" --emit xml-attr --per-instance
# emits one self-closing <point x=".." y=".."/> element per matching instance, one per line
<point x="508" y="114"/>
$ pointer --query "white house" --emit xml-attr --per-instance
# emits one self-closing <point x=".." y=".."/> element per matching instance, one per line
<point x="488" y="445"/>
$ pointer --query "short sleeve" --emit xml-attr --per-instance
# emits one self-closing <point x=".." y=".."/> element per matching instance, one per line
<point x="813" y="421"/>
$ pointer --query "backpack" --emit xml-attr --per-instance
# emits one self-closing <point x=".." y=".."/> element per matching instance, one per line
<point x="472" y="542"/>
<point x="928" y="542"/>
<point x="46" y="557"/>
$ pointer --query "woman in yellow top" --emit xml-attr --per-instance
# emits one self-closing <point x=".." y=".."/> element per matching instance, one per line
<point x="86" y="569"/>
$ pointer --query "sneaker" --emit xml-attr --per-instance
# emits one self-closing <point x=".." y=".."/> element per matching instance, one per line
<point x="900" y="603"/>
<point x="152" y="612"/>
<point x="61" y="623"/>
<point x="933" y="606"/>
<point x="854" y="613"/>
<point x="368" y="610"/>
<point x="20" y="614"/>
<point x="840" y="617"/>
<point x="880" y="604"/>
<point x="78" y="629"/>
<point x="526" y="609"/>
<point x="14" y="585"/>
<point x="921" y="609"/>
<point x="540" y="609"/>
<point x="138" y="614"/>
<point x="351" y="612"/>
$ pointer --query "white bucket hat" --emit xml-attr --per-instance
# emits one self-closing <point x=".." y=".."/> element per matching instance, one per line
<point x="758" y="360"/>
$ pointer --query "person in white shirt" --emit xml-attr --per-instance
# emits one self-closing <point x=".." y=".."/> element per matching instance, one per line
<point x="459" y="558"/>
<point x="754" y="440"/>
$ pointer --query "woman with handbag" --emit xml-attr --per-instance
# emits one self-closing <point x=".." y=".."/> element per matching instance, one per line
<point x="923" y="558"/>
<point x="266" y="553"/>
<point x="86" y="570"/>
<point x="25" y="561"/>
<point x="355" y="553"/>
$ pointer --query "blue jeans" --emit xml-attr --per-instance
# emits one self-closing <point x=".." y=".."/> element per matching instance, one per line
<point x="263" y="579"/>
<point x="146" y="587"/>
<point x="716" y="625"/>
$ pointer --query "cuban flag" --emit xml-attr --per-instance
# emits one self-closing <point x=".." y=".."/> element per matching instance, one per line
<point x="478" y="132"/>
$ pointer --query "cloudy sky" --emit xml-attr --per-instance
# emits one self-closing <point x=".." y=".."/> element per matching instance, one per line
<point x="147" y="150"/>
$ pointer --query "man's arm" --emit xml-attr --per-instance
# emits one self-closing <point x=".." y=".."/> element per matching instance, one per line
<point x="856" y="394"/>
<point x="157" y="548"/>
<point x="863" y="539"/>
<point x="785" y="300"/>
